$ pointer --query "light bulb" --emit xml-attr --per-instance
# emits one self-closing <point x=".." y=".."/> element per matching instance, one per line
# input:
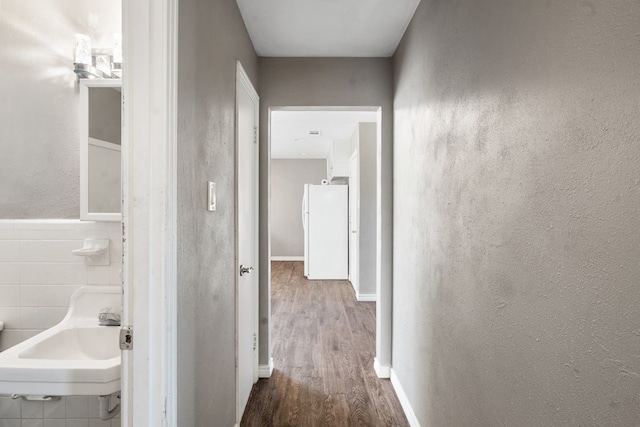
<point x="83" y="49"/>
<point x="117" y="48"/>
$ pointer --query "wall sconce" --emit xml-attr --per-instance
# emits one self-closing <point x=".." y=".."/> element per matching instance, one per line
<point x="116" y="64"/>
<point x="97" y="63"/>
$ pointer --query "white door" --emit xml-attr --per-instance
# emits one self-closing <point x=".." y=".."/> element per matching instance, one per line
<point x="247" y="237"/>
<point x="354" y="215"/>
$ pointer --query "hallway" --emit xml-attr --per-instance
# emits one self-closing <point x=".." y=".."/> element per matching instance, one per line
<point x="324" y="344"/>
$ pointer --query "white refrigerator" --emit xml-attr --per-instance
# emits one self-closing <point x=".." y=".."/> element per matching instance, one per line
<point x="325" y="219"/>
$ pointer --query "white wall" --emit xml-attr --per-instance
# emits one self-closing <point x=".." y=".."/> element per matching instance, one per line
<point x="516" y="213"/>
<point x="287" y="187"/>
<point x="39" y="107"/>
<point x="38" y="274"/>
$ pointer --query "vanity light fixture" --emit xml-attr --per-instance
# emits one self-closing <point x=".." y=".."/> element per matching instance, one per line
<point x="116" y="64"/>
<point x="97" y="63"/>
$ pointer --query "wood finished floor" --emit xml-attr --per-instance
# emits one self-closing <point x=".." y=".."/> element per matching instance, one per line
<point x="323" y="349"/>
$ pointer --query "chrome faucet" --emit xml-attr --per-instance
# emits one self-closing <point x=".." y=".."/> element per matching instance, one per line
<point x="107" y="317"/>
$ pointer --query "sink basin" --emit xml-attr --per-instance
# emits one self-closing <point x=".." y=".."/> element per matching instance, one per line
<point x="75" y="357"/>
<point x="76" y="343"/>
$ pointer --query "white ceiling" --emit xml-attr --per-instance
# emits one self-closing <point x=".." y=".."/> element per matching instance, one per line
<point x="290" y="137"/>
<point x="326" y="28"/>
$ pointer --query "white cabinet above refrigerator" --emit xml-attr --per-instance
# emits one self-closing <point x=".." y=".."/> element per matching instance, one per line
<point x="338" y="160"/>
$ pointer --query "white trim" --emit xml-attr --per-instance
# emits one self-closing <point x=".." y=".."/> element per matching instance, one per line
<point x="355" y="290"/>
<point x="383" y="287"/>
<point x="265" y="371"/>
<point x="354" y="196"/>
<point x="384" y="246"/>
<point x="356" y="108"/>
<point x="404" y="401"/>
<point x="149" y="156"/>
<point x="366" y="297"/>
<point x="287" y="258"/>
<point x="382" y="371"/>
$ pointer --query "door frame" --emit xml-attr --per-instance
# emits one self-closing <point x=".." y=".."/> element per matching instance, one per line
<point x="149" y="215"/>
<point x="384" y="291"/>
<point x="355" y="263"/>
<point x="244" y="83"/>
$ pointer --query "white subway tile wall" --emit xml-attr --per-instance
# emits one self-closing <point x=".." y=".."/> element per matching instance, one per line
<point x="66" y="412"/>
<point x="38" y="274"/>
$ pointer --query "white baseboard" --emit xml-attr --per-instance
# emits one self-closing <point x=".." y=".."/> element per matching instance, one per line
<point x="265" y="371"/>
<point x="382" y="371"/>
<point x="287" y="258"/>
<point x="355" y="291"/>
<point x="404" y="401"/>
<point x="363" y="297"/>
<point x="366" y="297"/>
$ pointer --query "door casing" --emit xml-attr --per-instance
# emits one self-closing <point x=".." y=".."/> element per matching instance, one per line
<point x="149" y="214"/>
<point x="382" y="360"/>
<point x="354" y="220"/>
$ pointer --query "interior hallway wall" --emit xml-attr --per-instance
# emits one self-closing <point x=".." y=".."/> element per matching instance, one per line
<point x="40" y="102"/>
<point x="288" y="177"/>
<point x="516" y="213"/>
<point x="211" y="36"/>
<point x="324" y="82"/>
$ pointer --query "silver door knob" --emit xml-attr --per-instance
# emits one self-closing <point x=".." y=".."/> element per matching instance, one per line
<point x="245" y="270"/>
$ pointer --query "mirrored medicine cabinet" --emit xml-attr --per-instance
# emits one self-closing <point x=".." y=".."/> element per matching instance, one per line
<point x="100" y="149"/>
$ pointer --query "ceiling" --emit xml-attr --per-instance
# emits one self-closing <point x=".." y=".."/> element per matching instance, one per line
<point x="290" y="131"/>
<point x="326" y="28"/>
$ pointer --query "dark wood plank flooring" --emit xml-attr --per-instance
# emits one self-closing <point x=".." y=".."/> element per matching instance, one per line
<point x="323" y="350"/>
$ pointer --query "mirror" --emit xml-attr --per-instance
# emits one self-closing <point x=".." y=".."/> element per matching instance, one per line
<point x="100" y="148"/>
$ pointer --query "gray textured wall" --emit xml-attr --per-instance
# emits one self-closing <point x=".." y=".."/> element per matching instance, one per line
<point x="39" y="102"/>
<point x="516" y="214"/>
<point x="211" y="37"/>
<point x="324" y="82"/>
<point x="367" y="152"/>
<point x="288" y="177"/>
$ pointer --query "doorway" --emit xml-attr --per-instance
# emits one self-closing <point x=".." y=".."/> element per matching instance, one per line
<point x="294" y="139"/>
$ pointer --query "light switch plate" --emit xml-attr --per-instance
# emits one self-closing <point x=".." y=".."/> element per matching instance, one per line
<point x="211" y="196"/>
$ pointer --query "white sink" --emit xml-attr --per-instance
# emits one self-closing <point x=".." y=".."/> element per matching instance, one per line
<point x="75" y="357"/>
<point x="76" y="343"/>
